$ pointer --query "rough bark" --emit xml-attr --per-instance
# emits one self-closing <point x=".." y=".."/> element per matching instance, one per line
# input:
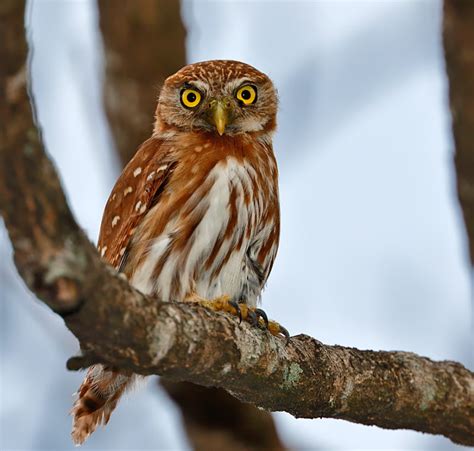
<point x="118" y="326"/>
<point x="459" y="52"/>
<point x="144" y="43"/>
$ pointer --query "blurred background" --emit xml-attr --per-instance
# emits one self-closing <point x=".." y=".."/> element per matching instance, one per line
<point x="373" y="250"/>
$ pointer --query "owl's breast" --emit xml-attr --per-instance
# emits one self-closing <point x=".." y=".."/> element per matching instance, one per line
<point x="196" y="237"/>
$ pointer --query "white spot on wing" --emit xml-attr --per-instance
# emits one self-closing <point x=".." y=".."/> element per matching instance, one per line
<point x="150" y="176"/>
<point x="115" y="221"/>
<point x="162" y="168"/>
<point x="127" y="190"/>
<point x="103" y="251"/>
<point x="137" y="172"/>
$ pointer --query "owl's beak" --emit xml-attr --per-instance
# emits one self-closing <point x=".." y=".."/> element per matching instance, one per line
<point x="220" y="114"/>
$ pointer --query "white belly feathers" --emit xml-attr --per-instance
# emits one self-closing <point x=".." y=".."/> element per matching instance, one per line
<point x="223" y="272"/>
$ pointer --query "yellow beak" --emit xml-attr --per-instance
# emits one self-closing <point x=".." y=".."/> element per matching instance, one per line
<point x="220" y="116"/>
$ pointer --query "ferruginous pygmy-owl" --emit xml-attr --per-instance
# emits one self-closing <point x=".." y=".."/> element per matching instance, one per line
<point x="194" y="217"/>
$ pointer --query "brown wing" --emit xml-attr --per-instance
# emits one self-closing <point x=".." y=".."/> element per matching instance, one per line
<point x="133" y="194"/>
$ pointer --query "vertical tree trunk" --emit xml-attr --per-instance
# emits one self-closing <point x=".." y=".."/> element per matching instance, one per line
<point x="144" y="43"/>
<point x="459" y="51"/>
<point x="216" y="421"/>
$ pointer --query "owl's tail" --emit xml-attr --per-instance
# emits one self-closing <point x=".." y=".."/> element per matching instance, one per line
<point x="97" y="397"/>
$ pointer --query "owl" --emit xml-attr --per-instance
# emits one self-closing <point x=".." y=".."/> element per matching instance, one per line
<point x="194" y="217"/>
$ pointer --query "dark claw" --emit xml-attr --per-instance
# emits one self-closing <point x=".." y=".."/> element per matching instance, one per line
<point x="261" y="314"/>
<point x="252" y="318"/>
<point x="236" y="305"/>
<point x="285" y="333"/>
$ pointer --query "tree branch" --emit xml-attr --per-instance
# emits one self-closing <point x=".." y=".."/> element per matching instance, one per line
<point x="119" y="326"/>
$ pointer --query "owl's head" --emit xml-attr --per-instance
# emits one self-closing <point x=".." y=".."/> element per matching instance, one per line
<point x="222" y="97"/>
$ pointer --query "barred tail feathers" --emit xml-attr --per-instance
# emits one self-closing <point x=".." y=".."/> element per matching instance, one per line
<point x="96" y="399"/>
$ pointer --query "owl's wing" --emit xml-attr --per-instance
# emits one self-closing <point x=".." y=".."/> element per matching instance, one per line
<point x="134" y="193"/>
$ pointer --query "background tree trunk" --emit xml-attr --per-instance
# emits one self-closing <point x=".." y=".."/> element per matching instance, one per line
<point x="145" y="43"/>
<point x="216" y="421"/>
<point x="459" y="51"/>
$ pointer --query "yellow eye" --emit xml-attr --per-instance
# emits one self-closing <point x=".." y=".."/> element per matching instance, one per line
<point x="190" y="98"/>
<point x="247" y="94"/>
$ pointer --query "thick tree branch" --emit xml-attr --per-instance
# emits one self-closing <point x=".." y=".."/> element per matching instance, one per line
<point x="117" y="325"/>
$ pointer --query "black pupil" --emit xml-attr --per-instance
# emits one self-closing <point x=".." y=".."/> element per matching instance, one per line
<point x="246" y="94"/>
<point x="191" y="97"/>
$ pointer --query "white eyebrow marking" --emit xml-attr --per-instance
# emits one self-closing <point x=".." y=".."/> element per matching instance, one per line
<point x="137" y="172"/>
<point x="237" y="83"/>
<point x="202" y="86"/>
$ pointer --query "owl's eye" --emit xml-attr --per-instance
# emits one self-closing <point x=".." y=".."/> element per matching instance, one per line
<point x="247" y="94"/>
<point x="190" y="98"/>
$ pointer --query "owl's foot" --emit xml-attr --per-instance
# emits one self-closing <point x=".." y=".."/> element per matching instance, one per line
<point x="258" y="317"/>
<point x="255" y="316"/>
<point x="220" y="304"/>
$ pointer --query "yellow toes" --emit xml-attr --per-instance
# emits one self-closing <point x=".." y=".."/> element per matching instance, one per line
<point x="277" y="330"/>
<point x="254" y="316"/>
<point x="220" y="304"/>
